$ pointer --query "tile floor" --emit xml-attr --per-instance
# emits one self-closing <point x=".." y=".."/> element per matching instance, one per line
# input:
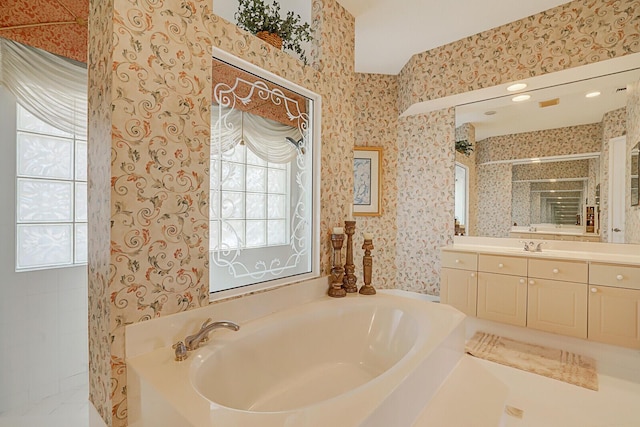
<point x="66" y="409"/>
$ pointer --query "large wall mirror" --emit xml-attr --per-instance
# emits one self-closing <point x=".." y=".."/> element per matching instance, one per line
<point x="539" y="163"/>
<point x="264" y="169"/>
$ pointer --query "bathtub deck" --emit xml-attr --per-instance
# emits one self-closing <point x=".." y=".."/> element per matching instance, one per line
<point x="471" y="396"/>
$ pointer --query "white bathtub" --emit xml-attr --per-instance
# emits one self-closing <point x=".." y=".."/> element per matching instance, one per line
<point x="356" y="361"/>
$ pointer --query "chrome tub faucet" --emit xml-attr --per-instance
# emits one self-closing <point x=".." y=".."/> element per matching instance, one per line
<point x="192" y="342"/>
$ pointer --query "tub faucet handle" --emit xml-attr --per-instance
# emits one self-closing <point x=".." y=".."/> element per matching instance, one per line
<point x="181" y="351"/>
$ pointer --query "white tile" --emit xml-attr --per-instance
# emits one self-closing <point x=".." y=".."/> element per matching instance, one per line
<point x="14" y="402"/>
<point x="38" y="390"/>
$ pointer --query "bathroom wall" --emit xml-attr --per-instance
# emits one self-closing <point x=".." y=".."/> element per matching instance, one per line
<point x="632" y="225"/>
<point x="570" y="35"/>
<point x="376" y="125"/>
<point x="521" y="203"/>
<point x="157" y="173"/>
<point x="425" y="179"/>
<point x="543" y="143"/>
<point x="43" y="314"/>
<point x="494" y="200"/>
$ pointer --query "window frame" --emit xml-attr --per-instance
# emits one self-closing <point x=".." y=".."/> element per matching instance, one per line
<point x="315" y="137"/>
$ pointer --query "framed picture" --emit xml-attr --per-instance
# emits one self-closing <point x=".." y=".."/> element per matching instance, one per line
<point x="367" y="181"/>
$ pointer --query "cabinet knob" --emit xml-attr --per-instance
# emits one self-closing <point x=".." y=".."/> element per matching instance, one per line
<point x="473" y="274"/>
<point x="457" y="261"/>
<point x="500" y="265"/>
<point x="532" y="282"/>
<point x="521" y="280"/>
<point x="619" y="277"/>
<point x="594" y="290"/>
<point x="556" y="271"/>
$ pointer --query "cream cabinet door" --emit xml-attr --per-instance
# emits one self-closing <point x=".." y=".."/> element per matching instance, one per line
<point x="502" y="298"/>
<point x="614" y="316"/>
<point x="458" y="288"/>
<point x="558" y="307"/>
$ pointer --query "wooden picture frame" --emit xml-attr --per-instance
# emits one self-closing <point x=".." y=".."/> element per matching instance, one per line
<point x="367" y="181"/>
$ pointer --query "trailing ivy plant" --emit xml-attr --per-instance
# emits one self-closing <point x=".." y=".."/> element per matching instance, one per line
<point x="464" y="147"/>
<point x="255" y="16"/>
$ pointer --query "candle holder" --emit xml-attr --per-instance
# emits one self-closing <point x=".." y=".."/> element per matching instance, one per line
<point x="335" y="290"/>
<point x="367" y="264"/>
<point x="349" y="280"/>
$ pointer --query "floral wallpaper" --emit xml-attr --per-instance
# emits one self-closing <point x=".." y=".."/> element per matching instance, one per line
<point x="521" y="203"/>
<point x="425" y="179"/>
<point x="543" y="143"/>
<point x="614" y="123"/>
<point x="99" y="203"/>
<point x="494" y="200"/>
<point x="468" y="132"/>
<point x="573" y="34"/>
<point x="68" y="40"/>
<point x="376" y="125"/>
<point x="632" y="225"/>
<point x="568" y="169"/>
<point x="151" y="113"/>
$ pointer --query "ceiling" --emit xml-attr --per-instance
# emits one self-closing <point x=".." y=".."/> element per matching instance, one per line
<point x="389" y="32"/>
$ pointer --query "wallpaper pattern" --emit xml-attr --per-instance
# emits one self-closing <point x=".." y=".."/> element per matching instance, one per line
<point x="152" y="113"/>
<point x="632" y="225"/>
<point x="614" y="123"/>
<point x="576" y="33"/>
<point x="558" y="170"/>
<point x="99" y="203"/>
<point x="494" y="200"/>
<point x="425" y="197"/>
<point x="376" y="125"/>
<point x="521" y="203"/>
<point x="543" y="143"/>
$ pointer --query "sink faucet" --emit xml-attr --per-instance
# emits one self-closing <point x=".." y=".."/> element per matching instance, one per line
<point x="192" y="342"/>
<point x="532" y="247"/>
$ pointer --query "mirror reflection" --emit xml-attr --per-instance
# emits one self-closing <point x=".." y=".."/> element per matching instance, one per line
<point x="539" y="165"/>
<point x="635" y="172"/>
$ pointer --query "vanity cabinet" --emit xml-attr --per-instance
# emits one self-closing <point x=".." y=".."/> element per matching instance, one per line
<point x="614" y="305"/>
<point x="598" y="301"/>
<point x="459" y="281"/>
<point x="502" y="289"/>
<point x="557" y="296"/>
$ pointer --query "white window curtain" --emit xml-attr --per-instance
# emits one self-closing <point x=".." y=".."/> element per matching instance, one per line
<point x="266" y="138"/>
<point x="51" y="88"/>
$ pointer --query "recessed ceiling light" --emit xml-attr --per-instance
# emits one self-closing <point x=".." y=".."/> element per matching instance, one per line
<point x="592" y="94"/>
<point x="516" y="86"/>
<point x="489" y="113"/>
<point x="521" y="98"/>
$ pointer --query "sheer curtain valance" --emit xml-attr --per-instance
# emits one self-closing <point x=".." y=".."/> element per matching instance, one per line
<point x="266" y="138"/>
<point x="49" y="87"/>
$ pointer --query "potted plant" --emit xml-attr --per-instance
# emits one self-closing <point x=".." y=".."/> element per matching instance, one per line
<point x="266" y="22"/>
<point x="464" y="147"/>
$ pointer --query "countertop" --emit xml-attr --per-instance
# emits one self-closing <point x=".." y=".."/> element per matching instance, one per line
<point x="628" y="254"/>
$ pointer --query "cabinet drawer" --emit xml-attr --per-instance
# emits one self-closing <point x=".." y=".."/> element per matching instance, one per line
<point x="501" y="264"/>
<point x="619" y="276"/>
<point x="566" y="271"/>
<point x="460" y="260"/>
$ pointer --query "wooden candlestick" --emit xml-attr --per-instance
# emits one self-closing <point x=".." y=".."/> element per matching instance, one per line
<point x="367" y="265"/>
<point x="337" y="271"/>
<point x="349" y="280"/>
